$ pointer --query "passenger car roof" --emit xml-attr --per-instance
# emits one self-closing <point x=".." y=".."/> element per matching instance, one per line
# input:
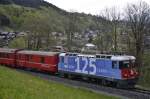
<point x="43" y="53"/>
<point x="6" y="50"/>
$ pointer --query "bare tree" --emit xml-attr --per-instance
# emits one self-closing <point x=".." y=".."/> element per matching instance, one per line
<point x="138" y="17"/>
<point x="71" y="28"/>
<point x="112" y="15"/>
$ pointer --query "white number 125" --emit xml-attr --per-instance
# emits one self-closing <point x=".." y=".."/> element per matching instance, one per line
<point x="85" y="68"/>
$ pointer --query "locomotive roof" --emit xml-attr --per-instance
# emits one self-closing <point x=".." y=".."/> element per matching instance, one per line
<point x="121" y="58"/>
<point x="6" y="50"/>
<point x="103" y="56"/>
<point x="38" y="53"/>
<point x="76" y="54"/>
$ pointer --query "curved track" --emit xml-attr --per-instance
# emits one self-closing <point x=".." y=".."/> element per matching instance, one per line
<point x="125" y="94"/>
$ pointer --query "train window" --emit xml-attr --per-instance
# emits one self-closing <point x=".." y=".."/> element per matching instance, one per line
<point x="102" y="56"/>
<point x="7" y="55"/>
<point x="42" y="59"/>
<point x="98" y="56"/>
<point x="20" y="57"/>
<point x="114" y="65"/>
<point x="74" y="54"/>
<point x="124" y="64"/>
<point x="29" y="58"/>
<point x="2" y="55"/>
<point x="62" y="59"/>
<point x="108" y="57"/>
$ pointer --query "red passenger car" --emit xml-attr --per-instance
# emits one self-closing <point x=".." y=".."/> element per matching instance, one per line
<point x="44" y="61"/>
<point x="7" y="56"/>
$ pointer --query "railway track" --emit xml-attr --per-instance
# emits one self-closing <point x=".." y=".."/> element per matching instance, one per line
<point x="142" y="91"/>
<point x="122" y="93"/>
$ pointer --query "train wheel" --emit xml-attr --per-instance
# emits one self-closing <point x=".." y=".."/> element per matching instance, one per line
<point x="60" y="75"/>
<point x="98" y="81"/>
<point x="90" y="79"/>
<point x="70" y="76"/>
<point x="118" y="85"/>
<point x="65" y="75"/>
<point x="104" y="82"/>
<point x="113" y="84"/>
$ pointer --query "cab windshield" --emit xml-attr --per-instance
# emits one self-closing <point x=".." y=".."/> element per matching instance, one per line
<point x="126" y="64"/>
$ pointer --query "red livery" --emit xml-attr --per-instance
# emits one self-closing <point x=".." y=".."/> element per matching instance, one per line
<point x="44" y="61"/>
<point x="8" y="56"/>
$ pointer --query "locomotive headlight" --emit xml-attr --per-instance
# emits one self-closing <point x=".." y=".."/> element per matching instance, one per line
<point x="125" y="75"/>
<point x="132" y="72"/>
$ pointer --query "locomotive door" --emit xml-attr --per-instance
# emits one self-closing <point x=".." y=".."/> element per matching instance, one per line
<point x="115" y="71"/>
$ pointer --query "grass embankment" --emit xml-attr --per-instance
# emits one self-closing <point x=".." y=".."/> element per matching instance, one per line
<point x="16" y="85"/>
<point x="144" y="80"/>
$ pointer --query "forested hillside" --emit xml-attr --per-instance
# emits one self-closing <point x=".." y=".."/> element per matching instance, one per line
<point x="41" y="19"/>
<point x="17" y="15"/>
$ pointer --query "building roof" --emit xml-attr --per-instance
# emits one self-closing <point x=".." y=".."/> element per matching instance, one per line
<point x="90" y="45"/>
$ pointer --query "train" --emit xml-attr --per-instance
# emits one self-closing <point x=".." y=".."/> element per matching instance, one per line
<point x="107" y="69"/>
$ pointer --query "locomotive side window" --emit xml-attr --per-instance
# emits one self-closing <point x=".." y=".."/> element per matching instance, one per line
<point x="98" y="56"/>
<point x="108" y="57"/>
<point x="62" y="59"/>
<point x="114" y="65"/>
<point x="42" y="60"/>
<point x="124" y="64"/>
<point x="102" y="56"/>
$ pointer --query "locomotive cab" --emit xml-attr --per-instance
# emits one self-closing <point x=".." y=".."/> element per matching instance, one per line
<point x="128" y="72"/>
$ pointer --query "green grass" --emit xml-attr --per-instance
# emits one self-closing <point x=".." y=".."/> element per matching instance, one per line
<point x="16" y="85"/>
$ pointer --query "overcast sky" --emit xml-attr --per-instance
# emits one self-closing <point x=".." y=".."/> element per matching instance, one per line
<point x="91" y="6"/>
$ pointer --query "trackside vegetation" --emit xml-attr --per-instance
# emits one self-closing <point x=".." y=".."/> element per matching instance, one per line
<point x="16" y="85"/>
<point x="144" y="80"/>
